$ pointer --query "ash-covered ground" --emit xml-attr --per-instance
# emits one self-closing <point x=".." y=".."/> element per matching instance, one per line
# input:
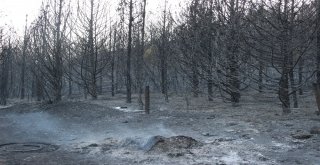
<point x="195" y="131"/>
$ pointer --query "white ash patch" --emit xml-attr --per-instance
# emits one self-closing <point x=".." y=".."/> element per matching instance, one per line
<point x="5" y="106"/>
<point x="127" y="109"/>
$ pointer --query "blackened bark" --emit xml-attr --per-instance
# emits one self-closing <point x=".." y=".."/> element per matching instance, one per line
<point x="318" y="42"/>
<point x="210" y="89"/>
<point x="292" y="81"/>
<point x="234" y="82"/>
<point x="301" y="63"/>
<point x="113" y="64"/>
<point x="23" y="65"/>
<point x="294" y="89"/>
<point x="209" y="78"/>
<point x="233" y="77"/>
<point x="163" y="58"/>
<point x="284" y="92"/>
<point x="57" y="76"/>
<point x="39" y="88"/>
<point x="260" y="76"/>
<point x="6" y="53"/>
<point x="140" y="68"/>
<point x="128" y="71"/>
<point x="70" y="71"/>
<point x="147" y="100"/>
<point x="92" y="56"/>
<point x="195" y="81"/>
<point x="284" y="81"/>
<point x="317" y="84"/>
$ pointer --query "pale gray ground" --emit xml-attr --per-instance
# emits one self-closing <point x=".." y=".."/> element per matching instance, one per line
<point x="96" y="132"/>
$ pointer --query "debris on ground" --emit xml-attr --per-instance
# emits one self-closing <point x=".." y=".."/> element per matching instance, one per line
<point x="301" y="135"/>
<point x="171" y="144"/>
<point x="315" y="130"/>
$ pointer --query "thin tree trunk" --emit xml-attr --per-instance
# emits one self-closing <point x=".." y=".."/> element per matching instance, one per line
<point x="128" y="71"/>
<point x="318" y="42"/>
<point x="70" y="69"/>
<point x="284" y="92"/>
<point x="57" y="84"/>
<point x="301" y="63"/>
<point x="11" y="82"/>
<point x="291" y="74"/>
<point x="317" y="84"/>
<point x="284" y="81"/>
<point x="163" y="60"/>
<point x="33" y="87"/>
<point x="234" y="83"/>
<point x="260" y="76"/>
<point x="210" y="89"/>
<point x="140" y="75"/>
<point x="39" y="88"/>
<point x="101" y="84"/>
<point x="23" y="66"/>
<point x="195" y="81"/>
<point x="70" y="82"/>
<point x="6" y="53"/>
<point x="294" y="89"/>
<point x="92" y="56"/>
<point x="113" y="64"/>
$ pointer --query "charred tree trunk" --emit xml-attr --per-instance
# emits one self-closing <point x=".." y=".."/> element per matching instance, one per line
<point x="209" y="78"/>
<point x="260" y="76"/>
<point x="234" y="81"/>
<point x="6" y="53"/>
<point x="317" y="84"/>
<point x="140" y="75"/>
<point x="301" y="63"/>
<point x="195" y="81"/>
<point x="210" y="88"/>
<point x="210" y="53"/>
<point x="284" y="81"/>
<point x="23" y="65"/>
<point x="70" y="89"/>
<point x="291" y="57"/>
<point x="39" y="88"/>
<point x="294" y="89"/>
<point x="233" y="66"/>
<point x="128" y="71"/>
<point x="70" y="68"/>
<point x="92" y="57"/>
<point x="284" y="94"/>
<point x="57" y="75"/>
<point x="163" y="69"/>
<point x="318" y="43"/>
<point x="113" y="64"/>
<point x="284" y="91"/>
<point x="292" y="83"/>
<point x="163" y="58"/>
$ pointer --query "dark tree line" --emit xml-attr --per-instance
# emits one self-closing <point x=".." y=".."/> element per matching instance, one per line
<point x="212" y="47"/>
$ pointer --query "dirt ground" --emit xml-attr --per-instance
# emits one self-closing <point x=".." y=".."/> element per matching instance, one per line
<point x="100" y="132"/>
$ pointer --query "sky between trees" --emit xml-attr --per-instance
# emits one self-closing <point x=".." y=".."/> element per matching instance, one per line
<point x="14" y="12"/>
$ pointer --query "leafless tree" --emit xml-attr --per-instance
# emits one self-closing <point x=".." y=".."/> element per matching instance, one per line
<point x="91" y="35"/>
<point x="23" y="67"/>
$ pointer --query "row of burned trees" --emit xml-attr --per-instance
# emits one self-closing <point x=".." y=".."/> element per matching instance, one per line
<point x="211" y="46"/>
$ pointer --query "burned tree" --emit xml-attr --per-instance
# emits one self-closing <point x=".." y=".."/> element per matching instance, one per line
<point x="279" y="32"/>
<point x="6" y="52"/>
<point x="92" y="44"/>
<point x="23" y="65"/>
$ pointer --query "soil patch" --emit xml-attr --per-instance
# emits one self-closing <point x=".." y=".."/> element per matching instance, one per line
<point x="171" y="144"/>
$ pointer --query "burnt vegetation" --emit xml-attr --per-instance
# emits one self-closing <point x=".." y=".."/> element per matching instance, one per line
<point x="217" y="48"/>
